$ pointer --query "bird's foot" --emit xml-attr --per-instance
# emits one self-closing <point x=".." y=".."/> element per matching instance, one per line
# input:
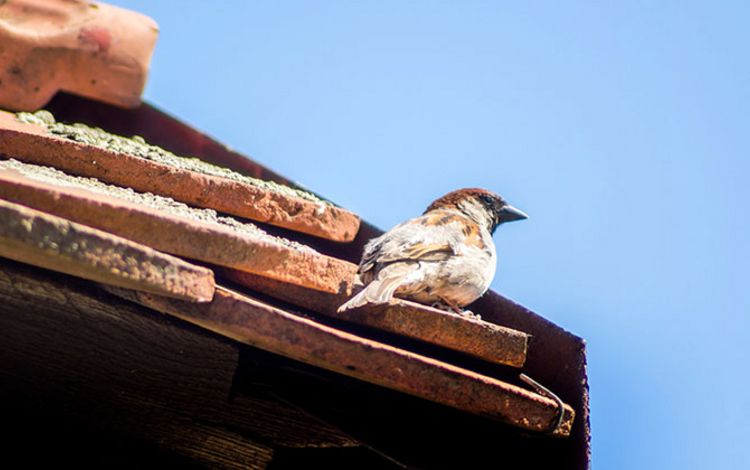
<point x="442" y="306"/>
<point x="456" y="310"/>
<point x="470" y="315"/>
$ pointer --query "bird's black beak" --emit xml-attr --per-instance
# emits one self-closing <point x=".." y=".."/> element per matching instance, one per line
<point x="509" y="213"/>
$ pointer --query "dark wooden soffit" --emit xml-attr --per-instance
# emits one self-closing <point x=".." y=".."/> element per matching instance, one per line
<point x="74" y="356"/>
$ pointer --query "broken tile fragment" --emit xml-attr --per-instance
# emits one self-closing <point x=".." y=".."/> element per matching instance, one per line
<point x="90" y="49"/>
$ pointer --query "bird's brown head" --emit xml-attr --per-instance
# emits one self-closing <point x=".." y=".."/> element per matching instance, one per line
<point x="484" y="207"/>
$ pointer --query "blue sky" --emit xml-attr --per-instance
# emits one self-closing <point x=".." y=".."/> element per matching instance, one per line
<point x="623" y="130"/>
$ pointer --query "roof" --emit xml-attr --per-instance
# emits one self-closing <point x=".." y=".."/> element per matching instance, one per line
<point x="174" y="295"/>
<point x="279" y="294"/>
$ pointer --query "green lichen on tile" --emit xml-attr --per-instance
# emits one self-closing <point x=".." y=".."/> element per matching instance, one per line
<point x="138" y="147"/>
<point x="162" y="204"/>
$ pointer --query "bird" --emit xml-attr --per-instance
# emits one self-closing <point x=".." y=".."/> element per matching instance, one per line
<point x="444" y="258"/>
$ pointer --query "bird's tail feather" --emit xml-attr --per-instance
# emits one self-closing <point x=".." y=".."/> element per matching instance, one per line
<point x="379" y="291"/>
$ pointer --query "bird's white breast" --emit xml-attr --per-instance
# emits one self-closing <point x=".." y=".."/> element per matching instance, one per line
<point x="461" y="279"/>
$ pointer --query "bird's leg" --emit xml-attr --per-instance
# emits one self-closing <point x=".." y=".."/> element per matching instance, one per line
<point x="452" y="306"/>
<point x="442" y="306"/>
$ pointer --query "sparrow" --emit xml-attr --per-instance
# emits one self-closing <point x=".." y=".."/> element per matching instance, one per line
<point x="444" y="258"/>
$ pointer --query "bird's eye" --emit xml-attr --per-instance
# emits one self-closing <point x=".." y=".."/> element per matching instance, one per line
<point x="486" y="199"/>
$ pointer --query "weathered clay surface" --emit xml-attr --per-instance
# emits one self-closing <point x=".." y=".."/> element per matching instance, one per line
<point x="173" y="233"/>
<point x="260" y="325"/>
<point x="51" y="242"/>
<point x="137" y="146"/>
<point x="91" y="49"/>
<point x="478" y="338"/>
<point x="56" y="177"/>
<point x="32" y="143"/>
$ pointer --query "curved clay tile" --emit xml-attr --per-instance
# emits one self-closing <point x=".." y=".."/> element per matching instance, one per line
<point x="90" y="49"/>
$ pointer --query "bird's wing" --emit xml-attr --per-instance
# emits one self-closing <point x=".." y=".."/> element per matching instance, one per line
<point x="435" y="236"/>
<point x="381" y="290"/>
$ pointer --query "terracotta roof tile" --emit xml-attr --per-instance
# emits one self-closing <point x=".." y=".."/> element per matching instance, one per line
<point x="478" y="338"/>
<point x="40" y="239"/>
<point x="169" y="229"/>
<point x="32" y="143"/>
<point x="87" y="48"/>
